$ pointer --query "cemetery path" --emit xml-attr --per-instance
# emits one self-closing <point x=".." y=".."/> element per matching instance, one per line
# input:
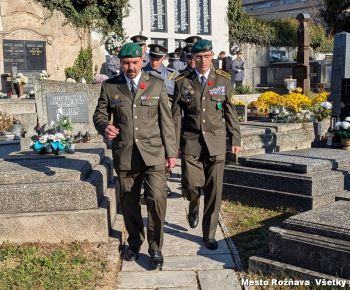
<point x="188" y="264"/>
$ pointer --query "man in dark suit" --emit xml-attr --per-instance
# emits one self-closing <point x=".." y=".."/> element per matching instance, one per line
<point x="223" y="62"/>
<point x="143" y="142"/>
<point x="202" y="98"/>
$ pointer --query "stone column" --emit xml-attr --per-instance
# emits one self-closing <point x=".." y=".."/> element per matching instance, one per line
<point x="340" y="71"/>
<point x="302" y="70"/>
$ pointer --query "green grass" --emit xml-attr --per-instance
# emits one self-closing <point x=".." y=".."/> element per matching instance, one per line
<point x="249" y="227"/>
<point x="64" y="266"/>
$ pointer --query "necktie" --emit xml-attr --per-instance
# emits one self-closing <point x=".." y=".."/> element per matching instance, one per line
<point x="133" y="87"/>
<point x="203" y="81"/>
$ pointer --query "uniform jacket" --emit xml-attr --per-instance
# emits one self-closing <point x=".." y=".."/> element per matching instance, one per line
<point x="167" y="74"/>
<point x="177" y="65"/>
<point x="238" y="69"/>
<point x="113" y="66"/>
<point x="144" y="121"/>
<point x="204" y="118"/>
<point x="226" y="64"/>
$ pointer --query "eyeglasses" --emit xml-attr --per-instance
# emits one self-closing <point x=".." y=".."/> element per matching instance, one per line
<point x="203" y="56"/>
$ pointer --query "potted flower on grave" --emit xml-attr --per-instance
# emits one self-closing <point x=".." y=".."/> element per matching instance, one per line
<point x="57" y="139"/>
<point x="342" y="131"/>
<point x="6" y="121"/>
<point x="21" y="80"/>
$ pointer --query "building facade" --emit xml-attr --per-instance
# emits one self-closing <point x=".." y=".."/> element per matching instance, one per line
<point x="169" y="22"/>
<point x="270" y="9"/>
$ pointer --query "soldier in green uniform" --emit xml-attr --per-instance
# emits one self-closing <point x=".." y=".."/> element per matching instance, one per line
<point x="155" y="66"/>
<point x="203" y="112"/>
<point x="143" y="143"/>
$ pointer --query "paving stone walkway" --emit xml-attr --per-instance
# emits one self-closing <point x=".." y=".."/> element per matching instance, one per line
<point x="188" y="264"/>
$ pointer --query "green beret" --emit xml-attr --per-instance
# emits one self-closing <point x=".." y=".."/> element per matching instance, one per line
<point x="130" y="50"/>
<point x="202" y="45"/>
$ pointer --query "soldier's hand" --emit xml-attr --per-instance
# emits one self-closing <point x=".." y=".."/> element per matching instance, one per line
<point x="111" y="132"/>
<point x="170" y="163"/>
<point x="235" y="149"/>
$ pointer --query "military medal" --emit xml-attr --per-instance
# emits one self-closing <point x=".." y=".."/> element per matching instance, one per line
<point x="219" y="106"/>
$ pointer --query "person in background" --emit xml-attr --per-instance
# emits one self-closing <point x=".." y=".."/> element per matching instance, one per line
<point x="113" y="64"/>
<point x="202" y="98"/>
<point x="190" y="64"/>
<point x="143" y="139"/>
<point x="223" y="62"/>
<point x="141" y="40"/>
<point x="175" y="62"/>
<point x="155" y="66"/>
<point x="238" y="69"/>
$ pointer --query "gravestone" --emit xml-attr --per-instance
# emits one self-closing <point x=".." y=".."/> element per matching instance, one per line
<point x="241" y="112"/>
<point x="24" y="56"/>
<point x="303" y="179"/>
<point x="316" y="243"/>
<point x="75" y="100"/>
<point x="340" y="70"/>
<point x="302" y="69"/>
<point x="345" y="97"/>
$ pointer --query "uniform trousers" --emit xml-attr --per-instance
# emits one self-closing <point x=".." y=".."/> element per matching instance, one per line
<point x="153" y="178"/>
<point x="204" y="172"/>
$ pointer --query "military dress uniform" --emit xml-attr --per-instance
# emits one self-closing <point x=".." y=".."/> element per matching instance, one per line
<point x="238" y="70"/>
<point x="145" y="140"/>
<point x="141" y="40"/>
<point x="175" y="62"/>
<point x="167" y="74"/>
<point x="203" y="117"/>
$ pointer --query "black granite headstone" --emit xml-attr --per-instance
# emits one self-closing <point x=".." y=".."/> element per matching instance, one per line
<point x="345" y="98"/>
<point x="73" y="105"/>
<point x="24" y="56"/>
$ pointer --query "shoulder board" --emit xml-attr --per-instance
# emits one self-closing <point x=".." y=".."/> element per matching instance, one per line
<point x="181" y="76"/>
<point x="223" y="73"/>
<point x="172" y="75"/>
<point x="154" y="74"/>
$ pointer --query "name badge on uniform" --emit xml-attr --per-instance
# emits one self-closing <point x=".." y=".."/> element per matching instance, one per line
<point x="218" y="90"/>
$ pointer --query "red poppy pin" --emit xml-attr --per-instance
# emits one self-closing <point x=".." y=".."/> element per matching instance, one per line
<point x="142" y="86"/>
<point x="210" y="83"/>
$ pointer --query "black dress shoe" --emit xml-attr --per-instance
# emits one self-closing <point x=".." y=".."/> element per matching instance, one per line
<point x="156" y="259"/>
<point x="168" y="190"/>
<point x="193" y="213"/>
<point x="211" y="244"/>
<point x="132" y="254"/>
<point x="193" y="219"/>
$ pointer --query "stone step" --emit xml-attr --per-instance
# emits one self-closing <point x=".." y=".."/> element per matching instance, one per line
<point x="57" y="196"/>
<point x="273" y="199"/>
<point x="182" y="263"/>
<point x="317" y="253"/>
<point x="314" y="183"/>
<point x="157" y="279"/>
<point x="53" y="227"/>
